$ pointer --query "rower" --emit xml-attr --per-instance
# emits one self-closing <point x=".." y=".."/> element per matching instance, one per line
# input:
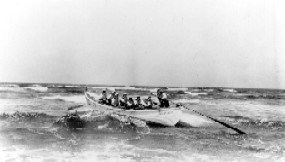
<point x="162" y="97"/>
<point x="103" y="97"/>
<point x="139" y="104"/>
<point x="110" y="98"/>
<point x="115" y="101"/>
<point x="130" y="103"/>
<point x="123" y="101"/>
<point x="149" y="103"/>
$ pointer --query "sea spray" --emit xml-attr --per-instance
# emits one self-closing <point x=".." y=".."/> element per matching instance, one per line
<point x="103" y="122"/>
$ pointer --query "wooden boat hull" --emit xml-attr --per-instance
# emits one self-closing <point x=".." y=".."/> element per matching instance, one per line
<point x="167" y="117"/>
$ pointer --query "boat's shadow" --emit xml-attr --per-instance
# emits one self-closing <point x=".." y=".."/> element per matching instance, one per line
<point x="177" y="125"/>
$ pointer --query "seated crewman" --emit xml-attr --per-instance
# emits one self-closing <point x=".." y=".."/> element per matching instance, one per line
<point x="124" y="100"/>
<point x="115" y="101"/>
<point x="130" y="103"/>
<point x="139" y="104"/>
<point x="149" y="103"/>
<point x="162" y="97"/>
<point x="103" y="97"/>
<point x="110" y="98"/>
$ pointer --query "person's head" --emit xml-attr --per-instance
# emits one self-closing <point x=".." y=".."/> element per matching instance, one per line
<point x="130" y="99"/>
<point x="125" y="96"/>
<point x="138" y="98"/>
<point x="159" y="91"/>
<point x="104" y="91"/>
<point x="149" y="98"/>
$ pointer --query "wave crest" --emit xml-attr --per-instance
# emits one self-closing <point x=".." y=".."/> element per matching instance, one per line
<point x="245" y="121"/>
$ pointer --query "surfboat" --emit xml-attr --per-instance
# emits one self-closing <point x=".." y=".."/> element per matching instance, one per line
<point x="164" y="116"/>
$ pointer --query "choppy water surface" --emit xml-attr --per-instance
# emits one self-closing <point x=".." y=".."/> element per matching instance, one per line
<point x="35" y="133"/>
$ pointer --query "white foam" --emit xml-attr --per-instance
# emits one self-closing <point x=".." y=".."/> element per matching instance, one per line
<point x="72" y="86"/>
<point x="38" y="88"/>
<point x="37" y="85"/>
<point x="123" y="88"/>
<point x="177" y="89"/>
<point x="251" y="109"/>
<point x="153" y="90"/>
<point x="121" y="150"/>
<point x="195" y="120"/>
<point x="10" y="85"/>
<point x="230" y="90"/>
<point x="129" y="88"/>
<point x="94" y="95"/>
<point x="190" y="101"/>
<point x="196" y="93"/>
<point x="76" y="99"/>
<point x="262" y="112"/>
<point x="13" y="89"/>
<point x="208" y="90"/>
<point x="22" y="89"/>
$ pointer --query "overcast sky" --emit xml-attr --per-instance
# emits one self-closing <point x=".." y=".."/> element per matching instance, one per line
<point x="231" y="43"/>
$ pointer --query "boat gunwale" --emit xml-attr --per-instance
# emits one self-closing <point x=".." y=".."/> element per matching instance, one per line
<point x="121" y="109"/>
<point x="131" y="113"/>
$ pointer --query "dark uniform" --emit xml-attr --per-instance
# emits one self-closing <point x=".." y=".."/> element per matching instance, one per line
<point x="139" y="105"/>
<point x="149" y="103"/>
<point x="130" y="104"/>
<point x="162" y="97"/>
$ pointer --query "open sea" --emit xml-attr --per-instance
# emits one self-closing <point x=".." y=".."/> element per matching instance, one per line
<point x="32" y="126"/>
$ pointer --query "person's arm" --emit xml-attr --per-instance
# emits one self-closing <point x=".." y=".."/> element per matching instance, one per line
<point x="128" y="103"/>
<point x="164" y="96"/>
<point x="154" y="103"/>
<point x="143" y="103"/>
<point x="121" y="101"/>
<point x="146" y="102"/>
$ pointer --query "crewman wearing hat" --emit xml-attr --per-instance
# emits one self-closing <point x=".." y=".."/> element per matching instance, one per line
<point x="115" y="101"/>
<point x="110" y="98"/>
<point x="149" y="102"/>
<point x="139" y="104"/>
<point x="124" y="100"/>
<point x="162" y="98"/>
<point x="130" y="103"/>
<point x="103" y="97"/>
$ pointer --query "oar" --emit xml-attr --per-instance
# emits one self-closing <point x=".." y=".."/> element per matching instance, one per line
<point x="215" y="120"/>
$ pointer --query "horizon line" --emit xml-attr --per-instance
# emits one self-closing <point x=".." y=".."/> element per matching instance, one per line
<point x="152" y="86"/>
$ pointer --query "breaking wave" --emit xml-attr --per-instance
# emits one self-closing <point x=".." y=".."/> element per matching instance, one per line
<point x="82" y="134"/>
<point x="245" y="121"/>
<point x="105" y="123"/>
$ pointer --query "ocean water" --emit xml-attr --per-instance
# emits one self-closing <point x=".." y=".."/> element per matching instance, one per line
<point x="33" y="128"/>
